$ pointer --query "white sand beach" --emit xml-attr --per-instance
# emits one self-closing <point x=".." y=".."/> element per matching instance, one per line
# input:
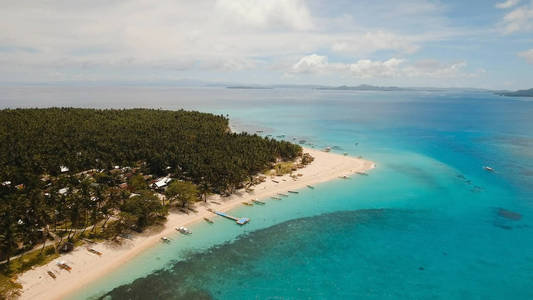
<point x="86" y="266"/>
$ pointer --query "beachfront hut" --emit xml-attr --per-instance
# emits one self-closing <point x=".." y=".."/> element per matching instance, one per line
<point x="162" y="182"/>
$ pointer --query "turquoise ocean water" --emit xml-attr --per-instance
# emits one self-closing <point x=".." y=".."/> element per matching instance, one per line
<point x="428" y="223"/>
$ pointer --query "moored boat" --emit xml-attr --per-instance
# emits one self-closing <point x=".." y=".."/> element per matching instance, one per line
<point x="489" y="169"/>
<point x="183" y="230"/>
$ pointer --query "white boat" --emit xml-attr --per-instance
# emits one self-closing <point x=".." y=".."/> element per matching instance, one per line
<point x="487" y="168"/>
<point x="183" y="230"/>
<point x="165" y="239"/>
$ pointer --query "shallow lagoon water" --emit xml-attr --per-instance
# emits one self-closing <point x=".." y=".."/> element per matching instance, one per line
<point x="427" y="222"/>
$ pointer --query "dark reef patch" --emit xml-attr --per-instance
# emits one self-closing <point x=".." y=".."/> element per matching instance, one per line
<point x="193" y="277"/>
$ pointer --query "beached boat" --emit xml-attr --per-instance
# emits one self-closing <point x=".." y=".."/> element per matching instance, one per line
<point x="165" y="239"/>
<point x="293" y="192"/>
<point x="183" y="230"/>
<point x="283" y="195"/>
<point x="51" y="274"/>
<point x="276" y="198"/>
<point x="310" y="186"/>
<point x="362" y="173"/>
<point x="214" y="202"/>
<point x="275" y="181"/>
<point x="95" y="252"/>
<point x="258" y="202"/>
<point x="63" y="265"/>
<point x="208" y="220"/>
<point x="247" y="204"/>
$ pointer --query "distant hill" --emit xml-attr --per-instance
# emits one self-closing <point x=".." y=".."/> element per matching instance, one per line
<point x="364" y="87"/>
<point x="520" y="93"/>
<point x="246" y="87"/>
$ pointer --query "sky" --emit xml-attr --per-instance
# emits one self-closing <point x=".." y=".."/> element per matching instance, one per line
<point x="454" y="43"/>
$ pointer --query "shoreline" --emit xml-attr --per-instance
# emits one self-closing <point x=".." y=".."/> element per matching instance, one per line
<point x="87" y="267"/>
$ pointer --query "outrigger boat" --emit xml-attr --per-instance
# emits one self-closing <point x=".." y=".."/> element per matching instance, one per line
<point x="362" y="173"/>
<point x="183" y="230"/>
<point x="276" y="198"/>
<point x="95" y="252"/>
<point x="208" y="220"/>
<point x="284" y="195"/>
<point x="489" y="169"/>
<point x="247" y="204"/>
<point x="310" y="186"/>
<point x="293" y="192"/>
<point x="258" y="202"/>
<point x="63" y="265"/>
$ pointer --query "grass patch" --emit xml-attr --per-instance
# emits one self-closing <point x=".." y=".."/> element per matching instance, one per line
<point x="8" y="287"/>
<point x="8" y="272"/>
<point x="281" y="168"/>
<point x="27" y="261"/>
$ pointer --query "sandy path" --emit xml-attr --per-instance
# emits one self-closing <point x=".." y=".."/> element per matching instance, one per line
<point x="86" y="267"/>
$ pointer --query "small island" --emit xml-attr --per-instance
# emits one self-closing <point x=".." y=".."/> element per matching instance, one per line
<point x="519" y="93"/>
<point x="74" y="180"/>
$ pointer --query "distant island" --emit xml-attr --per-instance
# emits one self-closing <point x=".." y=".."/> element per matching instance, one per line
<point x="364" y="87"/>
<point x="244" y="87"/>
<point x="519" y="93"/>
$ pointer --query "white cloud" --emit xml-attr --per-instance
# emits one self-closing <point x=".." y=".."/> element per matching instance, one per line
<point x="374" y="41"/>
<point x="290" y="14"/>
<point x="368" y="69"/>
<point x="507" y="4"/>
<point x="519" y="19"/>
<point x="178" y="35"/>
<point x="393" y="67"/>
<point x="436" y="69"/>
<point x="311" y="64"/>
<point x="129" y="38"/>
<point x="528" y="55"/>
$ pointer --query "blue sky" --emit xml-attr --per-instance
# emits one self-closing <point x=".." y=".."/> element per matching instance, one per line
<point x="485" y="44"/>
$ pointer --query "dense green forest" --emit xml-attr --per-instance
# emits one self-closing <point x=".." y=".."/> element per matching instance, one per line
<point x="67" y="172"/>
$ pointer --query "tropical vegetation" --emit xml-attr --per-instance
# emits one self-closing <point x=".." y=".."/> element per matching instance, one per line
<point x="70" y="173"/>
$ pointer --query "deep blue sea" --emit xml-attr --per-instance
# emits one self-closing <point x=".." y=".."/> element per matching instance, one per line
<point x="428" y="223"/>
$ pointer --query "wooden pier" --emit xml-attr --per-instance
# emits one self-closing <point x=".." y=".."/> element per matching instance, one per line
<point x="240" y="221"/>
